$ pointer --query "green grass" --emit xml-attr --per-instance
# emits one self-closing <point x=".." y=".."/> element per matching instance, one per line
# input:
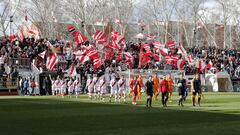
<point x="218" y="115"/>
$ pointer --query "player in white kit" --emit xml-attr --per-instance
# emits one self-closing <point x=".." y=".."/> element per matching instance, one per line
<point x="114" y="90"/>
<point x="70" y="87"/>
<point x="96" y="86"/>
<point x="103" y="88"/>
<point x="122" y="89"/>
<point x="90" y="86"/>
<point x="58" y="86"/>
<point x="77" y="86"/>
<point x="53" y="84"/>
<point x="63" y="87"/>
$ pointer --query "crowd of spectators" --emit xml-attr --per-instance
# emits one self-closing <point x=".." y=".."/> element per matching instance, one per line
<point x="28" y="50"/>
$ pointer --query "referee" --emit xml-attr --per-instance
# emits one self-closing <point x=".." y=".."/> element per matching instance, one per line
<point x="196" y="90"/>
<point x="149" y="91"/>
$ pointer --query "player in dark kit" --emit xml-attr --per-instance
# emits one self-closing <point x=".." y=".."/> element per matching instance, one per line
<point x="182" y="88"/>
<point x="196" y="90"/>
<point x="149" y="91"/>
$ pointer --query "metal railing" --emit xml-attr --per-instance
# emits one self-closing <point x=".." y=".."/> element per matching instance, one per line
<point x="20" y="62"/>
<point x="8" y="83"/>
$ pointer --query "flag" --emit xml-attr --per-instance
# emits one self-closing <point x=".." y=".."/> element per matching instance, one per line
<point x="171" y="45"/>
<point x="99" y="35"/>
<point x="12" y="37"/>
<point x="163" y="51"/>
<point x="51" y="61"/>
<point x="180" y="64"/>
<point x="190" y="60"/>
<point x="117" y="38"/>
<point x="200" y="64"/>
<point x="79" y="38"/>
<point x="72" y="30"/>
<point x="42" y="54"/>
<point x="157" y="45"/>
<point x="81" y="57"/>
<point x="97" y="63"/>
<point x="151" y="37"/>
<point x="146" y="47"/>
<point x="92" y="54"/>
<point x="72" y="71"/>
<point x="182" y="50"/>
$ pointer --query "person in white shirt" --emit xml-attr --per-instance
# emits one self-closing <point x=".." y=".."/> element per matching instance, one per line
<point x="103" y="88"/>
<point x="114" y="90"/>
<point x="122" y="89"/>
<point x="70" y="87"/>
<point x="77" y="85"/>
<point x="58" y="86"/>
<point x="63" y="87"/>
<point x="96" y="86"/>
<point x="90" y="86"/>
<point x="53" y="85"/>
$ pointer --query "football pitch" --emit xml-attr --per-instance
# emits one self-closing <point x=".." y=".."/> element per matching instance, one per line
<point x="46" y="115"/>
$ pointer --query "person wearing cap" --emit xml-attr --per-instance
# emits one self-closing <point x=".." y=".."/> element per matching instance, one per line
<point x="149" y="91"/>
<point x="164" y="90"/>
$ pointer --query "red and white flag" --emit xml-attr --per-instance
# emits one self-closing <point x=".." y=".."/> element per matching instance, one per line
<point x="80" y="38"/>
<point x="52" y="60"/>
<point x="99" y="35"/>
<point x="81" y="57"/>
<point x="182" y="50"/>
<point x="72" y="71"/>
<point x="42" y="54"/>
<point x="190" y="60"/>
<point x="146" y="47"/>
<point x="157" y="45"/>
<point x="117" y="38"/>
<point x="171" y="45"/>
<point x="163" y="51"/>
<point x="200" y="64"/>
<point x="151" y="37"/>
<point x="97" y="63"/>
<point x="180" y="64"/>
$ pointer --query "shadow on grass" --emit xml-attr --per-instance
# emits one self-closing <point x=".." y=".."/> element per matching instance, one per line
<point x="56" y="116"/>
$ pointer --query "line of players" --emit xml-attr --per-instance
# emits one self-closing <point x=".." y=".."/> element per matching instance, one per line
<point x="96" y="87"/>
<point x="60" y="86"/>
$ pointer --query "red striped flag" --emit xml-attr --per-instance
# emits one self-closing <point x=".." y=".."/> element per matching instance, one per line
<point x="80" y="38"/>
<point x="97" y="63"/>
<point x="72" y="71"/>
<point x="182" y="49"/>
<point x="99" y="35"/>
<point x="171" y="45"/>
<point x="51" y="60"/>
<point x="190" y="60"/>
<point x="42" y="54"/>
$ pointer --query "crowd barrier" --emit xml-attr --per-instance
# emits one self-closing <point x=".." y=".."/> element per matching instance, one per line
<point x="20" y="62"/>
